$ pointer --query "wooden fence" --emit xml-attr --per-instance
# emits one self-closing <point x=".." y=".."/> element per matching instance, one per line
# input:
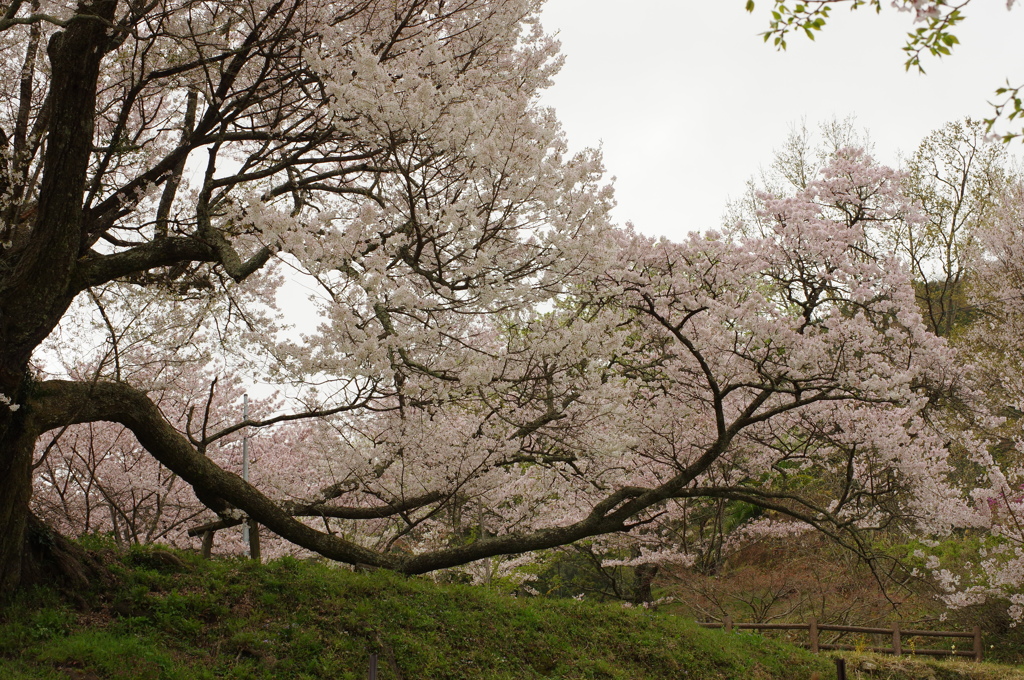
<point x="208" y="530"/>
<point x="897" y="634"/>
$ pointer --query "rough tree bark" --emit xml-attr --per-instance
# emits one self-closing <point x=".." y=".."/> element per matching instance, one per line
<point x="36" y="278"/>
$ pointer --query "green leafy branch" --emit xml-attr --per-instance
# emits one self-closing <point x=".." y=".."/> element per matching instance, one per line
<point x="1011" y="108"/>
<point x="934" y="37"/>
<point x="803" y="16"/>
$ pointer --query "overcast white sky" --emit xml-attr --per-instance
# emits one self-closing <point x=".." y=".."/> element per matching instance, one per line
<point x="688" y="101"/>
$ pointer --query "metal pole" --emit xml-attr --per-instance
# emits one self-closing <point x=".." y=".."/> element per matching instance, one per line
<point x="245" y="466"/>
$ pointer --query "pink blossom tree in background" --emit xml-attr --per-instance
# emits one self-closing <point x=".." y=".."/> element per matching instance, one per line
<point x="965" y="260"/>
<point x="96" y="478"/>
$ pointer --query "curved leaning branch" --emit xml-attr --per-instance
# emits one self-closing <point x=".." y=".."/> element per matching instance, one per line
<point x="333" y="511"/>
<point x="56" y="403"/>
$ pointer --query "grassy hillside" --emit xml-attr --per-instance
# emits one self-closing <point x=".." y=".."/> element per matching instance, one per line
<point x="173" y="616"/>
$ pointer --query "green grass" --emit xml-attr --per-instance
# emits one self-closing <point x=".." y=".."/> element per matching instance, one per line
<point x="191" y="619"/>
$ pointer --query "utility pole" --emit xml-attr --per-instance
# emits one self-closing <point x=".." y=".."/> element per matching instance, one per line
<point x="245" y="465"/>
<point x="250" y="529"/>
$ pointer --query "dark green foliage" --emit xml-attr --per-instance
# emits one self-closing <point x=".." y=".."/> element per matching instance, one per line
<point x="577" y="570"/>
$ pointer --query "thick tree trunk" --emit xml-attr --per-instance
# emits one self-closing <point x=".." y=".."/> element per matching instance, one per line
<point x="49" y="558"/>
<point x="30" y="552"/>
<point x="643" y="578"/>
<point x="36" y="278"/>
<point x="15" y="481"/>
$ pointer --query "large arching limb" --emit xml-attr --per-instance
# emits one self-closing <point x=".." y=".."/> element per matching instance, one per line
<point x="58" y="402"/>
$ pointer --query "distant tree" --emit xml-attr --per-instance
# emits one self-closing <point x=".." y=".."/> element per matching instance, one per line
<point x="794" y="165"/>
<point x="955" y="175"/>
<point x="964" y="252"/>
<point x="96" y="478"/>
<point x="954" y="178"/>
<point x="989" y="560"/>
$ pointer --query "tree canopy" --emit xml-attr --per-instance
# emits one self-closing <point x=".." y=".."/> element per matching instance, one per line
<point x="495" y="368"/>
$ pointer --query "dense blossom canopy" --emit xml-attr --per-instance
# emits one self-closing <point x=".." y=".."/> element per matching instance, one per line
<point x="495" y="369"/>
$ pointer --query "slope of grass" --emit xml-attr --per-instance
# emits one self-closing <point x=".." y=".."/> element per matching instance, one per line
<point x="174" y="617"/>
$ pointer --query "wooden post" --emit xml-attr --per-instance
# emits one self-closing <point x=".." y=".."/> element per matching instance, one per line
<point x="254" y="540"/>
<point x="977" y="643"/>
<point x="727" y="623"/>
<point x="812" y="630"/>
<point x="840" y="668"/>
<point x="207" y="544"/>
<point x="373" y="667"/>
<point x="897" y="647"/>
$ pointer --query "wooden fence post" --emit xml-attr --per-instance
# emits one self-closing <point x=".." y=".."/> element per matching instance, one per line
<point x="897" y="647"/>
<point x="207" y="544"/>
<point x="977" y="643"/>
<point x="727" y="623"/>
<point x="373" y="667"/>
<point x="254" y="540"/>
<point x="840" y="668"/>
<point x="812" y="630"/>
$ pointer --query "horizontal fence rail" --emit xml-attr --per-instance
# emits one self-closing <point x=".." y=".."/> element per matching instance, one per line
<point x="897" y="634"/>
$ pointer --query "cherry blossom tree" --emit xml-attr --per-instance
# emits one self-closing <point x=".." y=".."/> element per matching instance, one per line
<point x="181" y="148"/>
<point x="96" y="478"/>
<point x="955" y="180"/>
<point x="791" y="371"/>
<point x="496" y="369"/>
<point x="953" y="177"/>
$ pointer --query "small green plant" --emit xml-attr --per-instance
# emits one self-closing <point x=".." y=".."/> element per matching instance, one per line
<point x="861" y="644"/>
<point x="50" y="623"/>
